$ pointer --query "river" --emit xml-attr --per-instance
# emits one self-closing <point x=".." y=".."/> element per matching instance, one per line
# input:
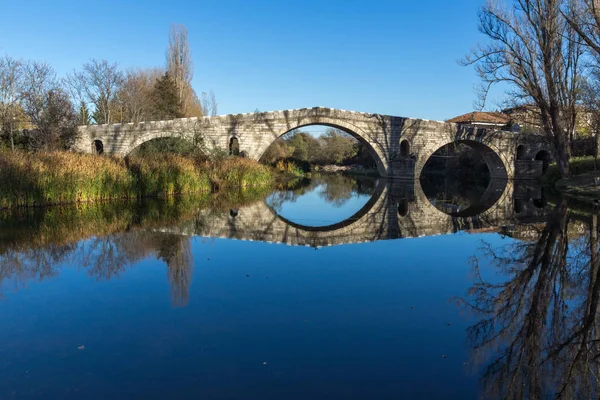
<point x="330" y="288"/>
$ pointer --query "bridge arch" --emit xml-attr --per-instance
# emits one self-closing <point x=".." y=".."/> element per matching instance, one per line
<point x="354" y="131"/>
<point x="234" y="146"/>
<point x="148" y="137"/>
<point x="405" y="148"/>
<point x="496" y="161"/>
<point x="375" y="203"/>
<point x="97" y="147"/>
<point x="545" y="157"/>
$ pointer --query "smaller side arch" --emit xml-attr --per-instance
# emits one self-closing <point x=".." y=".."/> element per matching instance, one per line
<point x="403" y="208"/>
<point x="97" y="147"/>
<point x="521" y="152"/>
<point x="545" y="158"/>
<point x="405" y="148"/>
<point x="234" y="146"/>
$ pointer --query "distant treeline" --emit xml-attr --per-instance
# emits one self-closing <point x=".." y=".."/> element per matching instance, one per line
<point x="333" y="147"/>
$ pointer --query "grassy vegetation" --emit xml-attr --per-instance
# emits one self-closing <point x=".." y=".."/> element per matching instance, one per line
<point x="291" y="168"/>
<point x="237" y="173"/>
<point x="167" y="175"/>
<point x="37" y="179"/>
<point x="577" y="166"/>
<point x="582" y="184"/>
<point x="31" y="179"/>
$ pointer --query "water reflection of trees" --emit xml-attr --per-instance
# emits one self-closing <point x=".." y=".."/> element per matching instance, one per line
<point x="538" y="332"/>
<point x="105" y="239"/>
<point x="335" y="189"/>
<point x="104" y="258"/>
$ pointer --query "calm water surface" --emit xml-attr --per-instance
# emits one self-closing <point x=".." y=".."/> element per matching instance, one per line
<point x="335" y="288"/>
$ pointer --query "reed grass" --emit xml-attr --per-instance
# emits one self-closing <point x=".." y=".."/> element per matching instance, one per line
<point x="32" y="179"/>
<point x="241" y="173"/>
<point x="40" y="179"/>
<point x="167" y="175"/>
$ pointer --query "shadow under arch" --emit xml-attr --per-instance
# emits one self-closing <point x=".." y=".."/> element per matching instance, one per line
<point x="369" y="205"/>
<point x="355" y="132"/>
<point x="497" y="165"/>
<point x="494" y="192"/>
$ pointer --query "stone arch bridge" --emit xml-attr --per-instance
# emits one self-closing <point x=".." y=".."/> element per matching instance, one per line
<point x="396" y="210"/>
<point x="401" y="146"/>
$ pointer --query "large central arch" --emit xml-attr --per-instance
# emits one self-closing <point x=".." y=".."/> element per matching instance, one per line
<point x="364" y="138"/>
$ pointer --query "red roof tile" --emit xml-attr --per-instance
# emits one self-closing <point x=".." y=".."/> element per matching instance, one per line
<point x="481" y="116"/>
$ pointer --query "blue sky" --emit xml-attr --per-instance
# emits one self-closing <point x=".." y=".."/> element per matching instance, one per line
<point x="392" y="57"/>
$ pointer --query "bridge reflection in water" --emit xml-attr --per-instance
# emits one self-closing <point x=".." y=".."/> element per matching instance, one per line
<point x="395" y="210"/>
<point x="107" y="239"/>
<point x="535" y="326"/>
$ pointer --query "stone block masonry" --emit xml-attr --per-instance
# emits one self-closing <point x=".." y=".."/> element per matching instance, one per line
<point x="400" y="146"/>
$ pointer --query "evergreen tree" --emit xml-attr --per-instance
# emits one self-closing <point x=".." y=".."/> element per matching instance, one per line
<point x="84" y="114"/>
<point x="99" y="116"/>
<point x="167" y="104"/>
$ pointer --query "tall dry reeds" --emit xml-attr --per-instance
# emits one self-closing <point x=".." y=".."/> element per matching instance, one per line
<point x="37" y="179"/>
<point x="32" y="179"/>
<point x="167" y="175"/>
<point x="237" y="172"/>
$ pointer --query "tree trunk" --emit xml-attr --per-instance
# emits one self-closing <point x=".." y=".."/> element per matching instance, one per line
<point x="562" y="157"/>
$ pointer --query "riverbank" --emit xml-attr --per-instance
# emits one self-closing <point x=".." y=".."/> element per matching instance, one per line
<point x="41" y="179"/>
<point x="584" y="183"/>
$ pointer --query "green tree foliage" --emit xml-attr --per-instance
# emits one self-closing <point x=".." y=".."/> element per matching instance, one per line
<point x="277" y="151"/>
<point x="84" y="117"/>
<point x="166" y="101"/>
<point x="98" y="116"/>
<point x="337" y="147"/>
<point x="334" y="147"/>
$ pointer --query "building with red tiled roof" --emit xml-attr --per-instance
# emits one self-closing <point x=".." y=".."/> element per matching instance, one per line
<point x="483" y="119"/>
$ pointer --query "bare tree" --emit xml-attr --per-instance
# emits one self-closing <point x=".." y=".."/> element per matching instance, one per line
<point x="534" y="50"/>
<point x="209" y="104"/>
<point x="48" y="108"/>
<point x="135" y="95"/>
<point x="11" y="85"/>
<point x="538" y="331"/>
<point x="584" y="17"/>
<point x="97" y="83"/>
<point x="179" y="63"/>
